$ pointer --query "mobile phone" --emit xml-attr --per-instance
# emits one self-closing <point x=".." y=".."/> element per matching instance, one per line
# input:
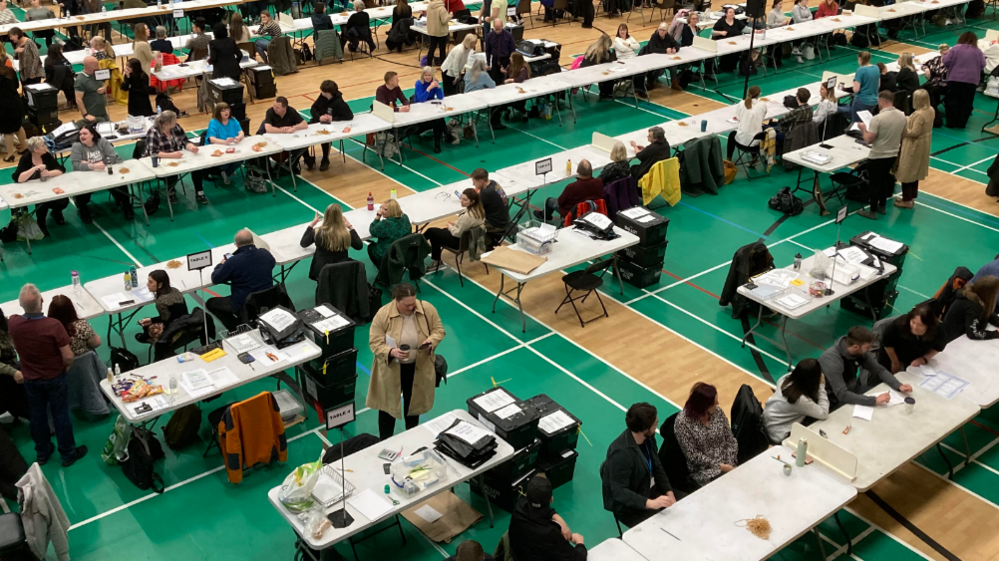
<point x="457" y="193"/>
<point x="228" y="256"/>
<point x="425" y="346"/>
<point x="387" y="468"/>
<point x="826" y="146"/>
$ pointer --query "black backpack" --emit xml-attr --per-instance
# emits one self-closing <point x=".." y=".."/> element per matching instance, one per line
<point x="182" y="430"/>
<point x="165" y="103"/>
<point x="143" y="451"/>
<point x="124" y="359"/>
<point x="786" y="202"/>
<point x="350" y="446"/>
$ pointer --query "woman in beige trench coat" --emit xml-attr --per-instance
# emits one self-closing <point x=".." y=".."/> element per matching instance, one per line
<point x="914" y="159"/>
<point x="403" y="322"/>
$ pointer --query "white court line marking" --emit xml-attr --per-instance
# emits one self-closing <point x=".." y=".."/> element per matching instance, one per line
<point x="952" y="215"/>
<point x="536" y="137"/>
<point x="975" y="164"/>
<point x="887" y="533"/>
<point x="121" y="247"/>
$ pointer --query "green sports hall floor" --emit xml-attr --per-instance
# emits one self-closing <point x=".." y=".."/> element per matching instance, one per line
<point x="202" y="516"/>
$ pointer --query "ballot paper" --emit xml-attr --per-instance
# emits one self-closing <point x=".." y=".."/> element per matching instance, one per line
<point x="863" y="412"/>
<point x="242" y="343"/>
<point x="927" y="370"/>
<point x="884" y="244"/>
<point x="866" y="117"/>
<point x="778" y="278"/>
<point x="895" y="398"/>
<point x="440" y="424"/>
<point x="468" y="432"/>
<point x="493" y="400"/>
<point x="278" y="318"/>
<point x="195" y="380"/>
<point x="646" y="218"/>
<point x="944" y="385"/>
<point x="791" y="300"/>
<point x="370" y="504"/>
<point x="326" y="312"/>
<point x="635" y="212"/>
<point x="550" y="424"/>
<point x="428" y="513"/>
<point x="331" y="323"/>
<point x="508" y="411"/>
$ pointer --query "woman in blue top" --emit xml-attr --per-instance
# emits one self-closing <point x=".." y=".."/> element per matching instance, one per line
<point x="429" y="89"/>
<point x="223" y="129"/>
<point x="866" y="82"/>
<point x="478" y="78"/>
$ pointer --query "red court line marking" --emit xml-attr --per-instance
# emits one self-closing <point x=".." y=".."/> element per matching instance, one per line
<point x="428" y="156"/>
<point x="212" y="293"/>
<point x="985" y="428"/>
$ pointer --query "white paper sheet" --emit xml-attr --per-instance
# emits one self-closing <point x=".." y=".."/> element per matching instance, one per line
<point x="508" y="411"/>
<point x="493" y="400"/>
<point x="944" y="384"/>
<point x="326" y="312"/>
<point x="927" y="370"/>
<point x="468" y="432"/>
<point x="555" y="422"/>
<point x="791" y="301"/>
<point x="884" y="244"/>
<point x="278" y="319"/>
<point x="428" y="513"/>
<point x="895" y="398"/>
<point x="634" y="212"/>
<point x="370" y="504"/>
<point x="440" y="424"/>
<point x="863" y="412"/>
<point x="331" y="323"/>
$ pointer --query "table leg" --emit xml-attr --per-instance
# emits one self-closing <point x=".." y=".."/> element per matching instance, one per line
<point x="568" y="95"/>
<point x="818" y="538"/>
<point x="291" y="170"/>
<point x="617" y="272"/>
<point x="967" y="449"/>
<point x="267" y="170"/>
<point x="520" y="306"/>
<point x="499" y="292"/>
<point x="144" y="213"/>
<point x="169" y="204"/>
<point x="817" y="193"/>
<point x="783" y="336"/>
<point x="759" y="320"/>
<point x="846" y="536"/>
<point x="558" y="112"/>
<point x="485" y="495"/>
<point x="950" y="468"/>
<point x="489" y="114"/>
<point x="343" y="152"/>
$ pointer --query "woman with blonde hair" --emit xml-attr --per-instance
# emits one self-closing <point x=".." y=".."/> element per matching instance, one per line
<point x="598" y="53"/>
<point x="828" y="104"/>
<point x="332" y="239"/>
<point x="973" y="310"/>
<point x="907" y="79"/>
<point x="473" y="216"/>
<point x="618" y="168"/>
<point x="914" y="159"/>
<point x="456" y="63"/>
<point x="141" y="49"/>
<point x="389" y="225"/>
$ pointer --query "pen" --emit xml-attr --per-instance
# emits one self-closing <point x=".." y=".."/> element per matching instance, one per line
<point x="674" y="537"/>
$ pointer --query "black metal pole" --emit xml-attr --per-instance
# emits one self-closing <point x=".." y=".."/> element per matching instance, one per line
<point x="752" y="36"/>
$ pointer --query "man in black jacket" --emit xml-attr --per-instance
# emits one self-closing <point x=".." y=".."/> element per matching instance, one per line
<point x="537" y="533"/>
<point x="494" y="202"/>
<point x="661" y="43"/>
<point x="328" y="107"/>
<point x="249" y="269"/>
<point x="656" y="151"/>
<point x="635" y="486"/>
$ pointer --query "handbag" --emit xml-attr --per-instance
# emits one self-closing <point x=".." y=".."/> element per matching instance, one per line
<point x="440" y="370"/>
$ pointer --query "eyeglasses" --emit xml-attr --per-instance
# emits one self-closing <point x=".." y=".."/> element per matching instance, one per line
<point x="443" y="195"/>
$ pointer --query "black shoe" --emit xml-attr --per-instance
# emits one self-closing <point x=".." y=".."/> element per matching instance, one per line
<point x="85" y="215"/>
<point x="81" y="451"/>
<point x="310" y="164"/>
<point x="324" y="165"/>
<point x="42" y="461"/>
<point x="58" y="217"/>
<point x="868" y="214"/>
<point x="44" y="229"/>
<point x="882" y="208"/>
<point x="540" y="215"/>
<point x="201" y="198"/>
<point x="437" y="146"/>
<point x="173" y="198"/>
<point x="129" y="214"/>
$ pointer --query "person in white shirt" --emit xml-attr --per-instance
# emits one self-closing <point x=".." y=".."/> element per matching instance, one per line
<point x="750" y="114"/>
<point x="799" y="395"/>
<point x="800" y="14"/>
<point x="827" y="106"/>
<point x="457" y="62"/>
<point x="625" y="46"/>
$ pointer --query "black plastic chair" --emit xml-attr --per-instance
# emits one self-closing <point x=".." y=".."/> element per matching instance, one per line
<point x="673" y="459"/>
<point x="748" y="155"/>
<point x="587" y="280"/>
<point x="260" y="302"/>
<point x="459" y="255"/>
<point x="13" y="542"/>
<point x="214" y="418"/>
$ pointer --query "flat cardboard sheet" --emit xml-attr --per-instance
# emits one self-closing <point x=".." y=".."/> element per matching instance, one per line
<point x="514" y="260"/>
<point x="456" y="517"/>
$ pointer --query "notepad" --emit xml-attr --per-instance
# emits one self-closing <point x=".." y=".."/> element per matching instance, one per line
<point x="370" y="504"/>
<point x="863" y="412"/>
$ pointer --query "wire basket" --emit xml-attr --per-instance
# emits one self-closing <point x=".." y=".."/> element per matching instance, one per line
<point x="331" y="471"/>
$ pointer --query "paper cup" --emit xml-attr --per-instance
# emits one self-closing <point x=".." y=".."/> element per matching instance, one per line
<point x="910" y="403"/>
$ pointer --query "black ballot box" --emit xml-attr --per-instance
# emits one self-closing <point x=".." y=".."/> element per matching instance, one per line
<point x="878" y="299"/>
<point x="506" y="415"/>
<point x="558" y="429"/>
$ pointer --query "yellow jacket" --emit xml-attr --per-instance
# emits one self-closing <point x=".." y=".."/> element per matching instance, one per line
<point x="114" y="84"/>
<point x="664" y="179"/>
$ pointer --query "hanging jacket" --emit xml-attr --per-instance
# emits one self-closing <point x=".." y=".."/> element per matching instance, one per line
<point x="749" y="260"/>
<point x="84" y="380"/>
<point x="802" y="135"/>
<point x="476" y="242"/>
<point x="344" y="286"/>
<point x="328" y="45"/>
<point x="621" y="194"/>
<point x="119" y="95"/>
<point x="251" y="432"/>
<point x="663" y="179"/>
<point x="163" y="348"/>
<point x="43" y="518"/>
<point x="401" y="32"/>
<point x="701" y="168"/>
<point x="747" y="424"/>
<point x="408" y="252"/>
<point x="281" y="56"/>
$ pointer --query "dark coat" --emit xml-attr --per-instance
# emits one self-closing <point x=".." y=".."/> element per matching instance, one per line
<point x="701" y="167"/>
<point x="336" y="107"/>
<point x="749" y="260"/>
<point x="139" y="90"/>
<point x="626" y="475"/>
<point x="408" y="252"/>
<point x="249" y="270"/>
<point x="224" y="56"/>
<point x="344" y="286"/>
<point x="621" y="194"/>
<point x="648" y="156"/>
<point x="966" y="316"/>
<point x="324" y="255"/>
<point x="534" y="536"/>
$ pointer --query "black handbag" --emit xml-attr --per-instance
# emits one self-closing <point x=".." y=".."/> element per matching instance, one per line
<point x="440" y="370"/>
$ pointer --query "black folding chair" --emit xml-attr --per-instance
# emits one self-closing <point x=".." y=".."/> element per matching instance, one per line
<point x="587" y="280"/>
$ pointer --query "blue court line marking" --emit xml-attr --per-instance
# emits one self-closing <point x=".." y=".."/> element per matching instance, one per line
<point x="208" y="243"/>
<point x="363" y="368"/>
<point x="978" y="216"/>
<point x="725" y="221"/>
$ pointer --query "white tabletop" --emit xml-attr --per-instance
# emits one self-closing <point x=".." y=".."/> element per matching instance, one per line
<point x="894" y="438"/>
<point x="572" y="249"/>
<point x="116" y="15"/>
<point x="159" y="373"/>
<point x="453" y="26"/>
<point x="205" y="158"/>
<point x="86" y="306"/>
<point x="450" y="106"/>
<point x="704" y="522"/>
<point x="846" y="151"/>
<point x="525" y="176"/>
<point x="360" y="125"/>
<point x="974" y="361"/>
<point x="367" y="474"/>
<point x="194" y="68"/>
<point x="73" y="183"/>
<point x="613" y="549"/>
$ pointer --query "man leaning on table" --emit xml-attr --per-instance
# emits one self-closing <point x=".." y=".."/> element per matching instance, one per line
<point x="283" y="119"/>
<point x="840" y="364"/>
<point x="249" y="269"/>
<point x="885" y="137"/>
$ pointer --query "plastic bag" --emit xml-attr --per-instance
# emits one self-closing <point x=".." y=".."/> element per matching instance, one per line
<point x="315" y="522"/>
<point x="296" y="491"/>
<point x="819" y="265"/>
<point x="116" y="448"/>
<point x="27" y="228"/>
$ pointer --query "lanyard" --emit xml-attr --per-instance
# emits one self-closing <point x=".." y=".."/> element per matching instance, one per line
<point x="648" y="455"/>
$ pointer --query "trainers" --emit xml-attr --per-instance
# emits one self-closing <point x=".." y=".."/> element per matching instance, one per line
<point x="868" y="214"/>
<point x="225" y="178"/>
<point x="800" y="59"/>
<point x="201" y="198"/>
<point x="324" y="165"/>
<point x="903" y="204"/>
<point x="44" y="460"/>
<point x="81" y="451"/>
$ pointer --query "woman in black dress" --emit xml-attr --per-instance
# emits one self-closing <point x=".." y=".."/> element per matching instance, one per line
<point x="224" y="55"/>
<point x="59" y="73"/>
<point x="38" y="163"/>
<point x="136" y="83"/>
<point x="13" y="115"/>
<point x="726" y="28"/>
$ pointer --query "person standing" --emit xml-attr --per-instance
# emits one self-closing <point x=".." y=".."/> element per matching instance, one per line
<point x="866" y="84"/>
<point x="437" y="31"/>
<point x="249" y="269"/>
<point x="885" y="136"/>
<point x="44" y="348"/>
<point x="141" y="49"/>
<point x="12" y="119"/>
<point x="457" y="61"/>
<point x="136" y="83"/>
<point x="26" y="54"/>
<point x="965" y="63"/>
<point x="634" y="483"/>
<point x="403" y="337"/>
<point x="328" y="107"/>
<point x="224" y="54"/>
<point x="90" y="92"/>
<point x="914" y="160"/>
<point x="499" y="47"/>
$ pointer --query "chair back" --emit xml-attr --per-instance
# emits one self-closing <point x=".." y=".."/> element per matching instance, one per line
<point x="518" y="34"/>
<point x="139" y="150"/>
<point x="83" y="384"/>
<point x="667" y="5"/>
<point x="592" y="205"/>
<point x="523" y="7"/>
<point x="260" y="302"/>
<point x="672" y="458"/>
<point x="198" y="54"/>
<point x="598" y="266"/>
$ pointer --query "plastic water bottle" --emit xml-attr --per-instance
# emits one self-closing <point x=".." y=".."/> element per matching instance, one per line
<point x="128" y="283"/>
<point x="173" y="385"/>
<point x="393" y="195"/>
<point x="797" y="262"/>
<point x="135" y="276"/>
<point x="117" y="370"/>
<point x="159" y="110"/>
<point x="159" y="3"/>
<point x="799" y="460"/>
<point x="77" y="285"/>
<point x="371" y="202"/>
<point x="568" y="168"/>
<point x="110" y="376"/>
<point x="104" y="8"/>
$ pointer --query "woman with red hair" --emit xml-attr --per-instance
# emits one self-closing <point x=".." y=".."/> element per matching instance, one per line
<point x="704" y="435"/>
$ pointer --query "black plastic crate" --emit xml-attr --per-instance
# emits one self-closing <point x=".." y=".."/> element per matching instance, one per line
<point x="881" y="304"/>
<point x="641" y="277"/>
<point x="501" y="493"/>
<point x="553" y="444"/>
<point x="334" y="342"/>
<point x="42" y="117"/>
<point x="264" y="92"/>
<point x="522" y="462"/>
<point x="42" y="97"/>
<point x="337" y="367"/>
<point x="644" y="256"/>
<point x="514" y="421"/>
<point x="559" y="470"/>
<point x="261" y="75"/>
<point x="328" y="393"/>
<point x="233" y="95"/>
<point x="650" y="232"/>
<point x="897" y="258"/>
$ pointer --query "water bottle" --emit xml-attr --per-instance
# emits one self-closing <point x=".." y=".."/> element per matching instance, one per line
<point x="797" y="262"/>
<point x="77" y="286"/>
<point x="110" y="376"/>
<point x="128" y="283"/>
<point x="159" y="110"/>
<point x="393" y="195"/>
<point x="371" y="202"/>
<point x="117" y="370"/>
<point x="173" y="385"/>
<point x="104" y="8"/>
<point x="802" y="452"/>
<point x="159" y="3"/>
<point x="135" y="277"/>
<point x="568" y="168"/>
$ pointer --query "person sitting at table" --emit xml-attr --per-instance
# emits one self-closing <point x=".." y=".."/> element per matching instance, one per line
<point x="11" y="120"/>
<point x="389" y="93"/>
<point x="328" y="107"/>
<point x="198" y="43"/>
<point x="332" y="239"/>
<point x="494" y="202"/>
<point x="26" y="54"/>
<point x="167" y="140"/>
<point x="537" y="532"/>
<point x="456" y="63"/>
<point x="749" y="114"/>
<point x="7" y="16"/>
<point x="268" y="31"/>
<point x="89" y="92"/>
<point x="428" y="89"/>
<point x="726" y="28"/>
<point x="96" y="7"/>
<point x="224" y="55"/>
<point x="161" y="43"/>
<point x="689" y="31"/>
<point x="477" y="78"/>
<point x="619" y="167"/>
<point x="885" y="137"/>
<point x="357" y="29"/>
<point x="828" y="105"/>
<point x="840" y="364"/>
<point x="887" y="79"/>
<point x="136" y="83"/>
<point x="94" y="153"/>
<point x="237" y="31"/>
<point x="866" y="83"/>
<point x="224" y="130"/>
<point x="704" y="435"/>
<point x="170" y="305"/>
<point x="911" y="339"/>
<point x="800" y="114"/>
<point x="827" y="8"/>
<point x="633" y="482"/>
<point x="973" y="310"/>
<point x="37" y="162"/>
<point x="469" y="550"/>
<point x="656" y="151"/>
<point x="472" y="217"/>
<point x="389" y="225"/>
<point x="283" y="119"/>
<point x="800" y="13"/>
<point x="907" y="79"/>
<point x="82" y="337"/>
<point x="499" y="46"/>
<point x="401" y="11"/>
<point x="321" y="21"/>
<point x="989" y="269"/>
<point x="249" y="269"/>
<point x="799" y="396"/>
<point x="584" y="188"/>
<point x="35" y="13"/>
<point x="598" y="53"/>
<point x="775" y="19"/>
<point x="625" y="46"/>
<point x="141" y="49"/>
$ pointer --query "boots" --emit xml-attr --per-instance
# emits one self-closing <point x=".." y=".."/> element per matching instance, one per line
<point x="40" y="216"/>
<point x="84" y="211"/>
<point x="437" y="144"/>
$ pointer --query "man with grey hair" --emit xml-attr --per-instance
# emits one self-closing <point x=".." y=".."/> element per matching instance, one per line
<point x="584" y="188"/>
<point x="249" y="269"/>
<point x="44" y="349"/>
<point x="161" y="43"/>
<point x="656" y="151"/>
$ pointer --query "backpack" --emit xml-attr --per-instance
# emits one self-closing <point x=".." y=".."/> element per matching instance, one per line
<point x="143" y="450"/>
<point x="786" y="202"/>
<point x="255" y="181"/>
<point x="747" y="65"/>
<point x="305" y="54"/>
<point x="182" y="430"/>
<point x="123" y="359"/>
<point x="860" y="40"/>
<point x="165" y="103"/>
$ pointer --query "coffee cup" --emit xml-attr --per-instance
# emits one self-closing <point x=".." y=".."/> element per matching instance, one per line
<point x="704" y="125"/>
<point x="405" y="349"/>
<point x="910" y="403"/>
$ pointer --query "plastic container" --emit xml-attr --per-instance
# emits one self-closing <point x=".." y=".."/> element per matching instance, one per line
<point x="534" y="238"/>
<point x="522" y="463"/>
<point x="501" y="493"/>
<point x="650" y="232"/>
<point x="554" y="442"/>
<point x="287" y="405"/>
<point x="332" y="343"/>
<point x="337" y="367"/>
<point x="328" y="393"/>
<point x="231" y="94"/>
<point x="644" y="256"/>
<point x="514" y="421"/>
<point x="640" y="277"/>
<point x="422" y="470"/>
<point x="561" y="469"/>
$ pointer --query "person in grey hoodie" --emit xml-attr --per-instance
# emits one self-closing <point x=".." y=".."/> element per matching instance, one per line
<point x="94" y="153"/>
<point x="800" y="14"/>
<point x="840" y="364"/>
<point x="799" y="395"/>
